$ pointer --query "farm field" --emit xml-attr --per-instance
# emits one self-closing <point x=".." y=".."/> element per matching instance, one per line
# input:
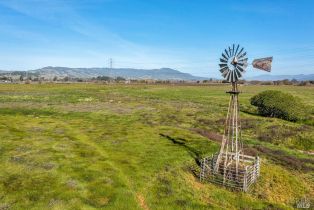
<point x="94" y="146"/>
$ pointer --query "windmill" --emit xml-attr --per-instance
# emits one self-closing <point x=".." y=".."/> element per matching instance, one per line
<point x="230" y="167"/>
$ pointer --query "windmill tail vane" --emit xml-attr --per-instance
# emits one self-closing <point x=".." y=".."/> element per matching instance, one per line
<point x="263" y="63"/>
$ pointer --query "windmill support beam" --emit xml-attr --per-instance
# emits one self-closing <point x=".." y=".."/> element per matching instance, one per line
<point x="230" y="167"/>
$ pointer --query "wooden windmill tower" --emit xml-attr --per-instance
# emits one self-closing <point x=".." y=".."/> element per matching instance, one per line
<point x="230" y="167"/>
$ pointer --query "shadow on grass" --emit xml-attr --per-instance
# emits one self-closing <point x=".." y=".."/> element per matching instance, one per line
<point x="22" y="111"/>
<point x="195" y="154"/>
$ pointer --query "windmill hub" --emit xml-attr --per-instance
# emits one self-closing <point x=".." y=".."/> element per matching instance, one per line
<point x="234" y="61"/>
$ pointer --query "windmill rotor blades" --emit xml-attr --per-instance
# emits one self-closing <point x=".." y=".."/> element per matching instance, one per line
<point x="240" y="68"/>
<point x="237" y="50"/>
<point x="237" y="76"/>
<point x="242" y="64"/>
<point x="227" y="53"/>
<point x="243" y="60"/>
<point x="232" y="77"/>
<point x="223" y="61"/>
<point x="238" y="73"/>
<point x="224" y="69"/>
<point x="233" y="62"/>
<point x="224" y="56"/>
<point x="240" y="51"/>
<point x="241" y="56"/>
<point x="224" y="74"/>
<point x="228" y="76"/>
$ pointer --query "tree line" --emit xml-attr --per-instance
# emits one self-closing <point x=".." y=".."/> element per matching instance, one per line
<point x="22" y="77"/>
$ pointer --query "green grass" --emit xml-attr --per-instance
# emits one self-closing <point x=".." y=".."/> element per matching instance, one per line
<point x="90" y="146"/>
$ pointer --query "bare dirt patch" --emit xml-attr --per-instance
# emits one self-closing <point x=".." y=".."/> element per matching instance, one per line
<point x="208" y="134"/>
<point x="114" y="107"/>
<point x="283" y="158"/>
<point x="280" y="132"/>
<point x="141" y="200"/>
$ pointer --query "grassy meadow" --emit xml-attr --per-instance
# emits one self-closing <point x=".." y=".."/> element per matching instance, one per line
<point x="94" y="146"/>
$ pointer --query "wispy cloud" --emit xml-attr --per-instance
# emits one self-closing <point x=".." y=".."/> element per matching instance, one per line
<point x="37" y="33"/>
<point x="102" y="43"/>
<point x="20" y="33"/>
<point x="62" y="14"/>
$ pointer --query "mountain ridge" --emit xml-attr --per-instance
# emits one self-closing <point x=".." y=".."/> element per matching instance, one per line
<point x="50" y="72"/>
<point x="128" y="73"/>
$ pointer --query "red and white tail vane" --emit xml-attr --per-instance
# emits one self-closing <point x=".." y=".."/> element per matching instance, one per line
<point x="263" y="63"/>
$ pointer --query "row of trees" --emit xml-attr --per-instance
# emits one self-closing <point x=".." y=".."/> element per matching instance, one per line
<point x="22" y="78"/>
<point x="38" y="78"/>
<point x="258" y="82"/>
<point x="282" y="82"/>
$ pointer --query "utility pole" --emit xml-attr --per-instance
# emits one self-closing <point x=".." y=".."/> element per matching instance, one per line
<point x="110" y="63"/>
<point x="110" y="68"/>
<point x="11" y="80"/>
<point x="27" y="76"/>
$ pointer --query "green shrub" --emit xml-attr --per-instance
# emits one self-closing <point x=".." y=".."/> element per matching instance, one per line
<point x="274" y="103"/>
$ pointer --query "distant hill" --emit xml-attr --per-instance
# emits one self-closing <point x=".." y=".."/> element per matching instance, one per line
<point x="50" y="72"/>
<point x="299" y="77"/>
<point x="128" y="73"/>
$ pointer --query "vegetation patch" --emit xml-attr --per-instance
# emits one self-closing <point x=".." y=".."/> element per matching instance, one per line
<point x="279" y="186"/>
<point x="273" y="103"/>
<point x="300" y="137"/>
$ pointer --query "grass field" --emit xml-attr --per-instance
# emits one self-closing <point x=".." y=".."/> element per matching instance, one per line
<point x="92" y="146"/>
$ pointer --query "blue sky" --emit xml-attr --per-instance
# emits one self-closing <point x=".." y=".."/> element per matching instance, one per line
<point x="181" y="34"/>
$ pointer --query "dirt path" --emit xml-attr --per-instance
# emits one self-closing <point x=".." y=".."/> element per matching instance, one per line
<point x="141" y="201"/>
